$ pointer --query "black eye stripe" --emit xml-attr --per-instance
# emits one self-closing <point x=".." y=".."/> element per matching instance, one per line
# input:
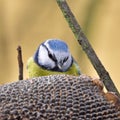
<point x="49" y="54"/>
<point x="52" y="57"/>
<point x="65" y="59"/>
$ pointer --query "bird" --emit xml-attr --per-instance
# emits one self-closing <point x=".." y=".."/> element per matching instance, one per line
<point x="52" y="57"/>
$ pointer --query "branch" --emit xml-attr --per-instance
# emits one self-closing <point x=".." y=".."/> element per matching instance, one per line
<point x="20" y="63"/>
<point x="86" y="46"/>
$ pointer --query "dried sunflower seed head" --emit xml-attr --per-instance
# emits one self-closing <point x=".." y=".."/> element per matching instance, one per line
<point x="56" y="97"/>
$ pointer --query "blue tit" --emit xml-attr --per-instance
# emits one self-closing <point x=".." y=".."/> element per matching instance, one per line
<point x="52" y="57"/>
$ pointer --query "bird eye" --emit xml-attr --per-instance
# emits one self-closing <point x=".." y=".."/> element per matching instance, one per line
<point x="65" y="59"/>
<point x="50" y="55"/>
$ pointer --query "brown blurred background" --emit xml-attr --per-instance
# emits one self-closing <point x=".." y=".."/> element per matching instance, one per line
<point x="29" y="22"/>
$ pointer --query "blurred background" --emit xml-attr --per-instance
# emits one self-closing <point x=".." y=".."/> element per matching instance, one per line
<point x="30" y="22"/>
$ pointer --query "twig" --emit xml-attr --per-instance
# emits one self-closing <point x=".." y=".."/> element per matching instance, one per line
<point x="83" y="41"/>
<point x="20" y="63"/>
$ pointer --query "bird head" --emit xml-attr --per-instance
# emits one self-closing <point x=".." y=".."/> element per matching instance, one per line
<point x="53" y="54"/>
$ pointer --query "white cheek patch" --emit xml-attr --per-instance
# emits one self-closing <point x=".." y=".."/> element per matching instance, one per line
<point x="43" y="58"/>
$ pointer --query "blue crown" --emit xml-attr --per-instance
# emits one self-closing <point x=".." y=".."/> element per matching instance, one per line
<point x="56" y="44"/>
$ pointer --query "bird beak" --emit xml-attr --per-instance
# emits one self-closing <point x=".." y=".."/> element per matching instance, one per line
<point x="60" y="66"/>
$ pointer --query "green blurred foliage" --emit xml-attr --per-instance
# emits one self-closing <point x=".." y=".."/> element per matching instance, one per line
<point x="30" y="22"/>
